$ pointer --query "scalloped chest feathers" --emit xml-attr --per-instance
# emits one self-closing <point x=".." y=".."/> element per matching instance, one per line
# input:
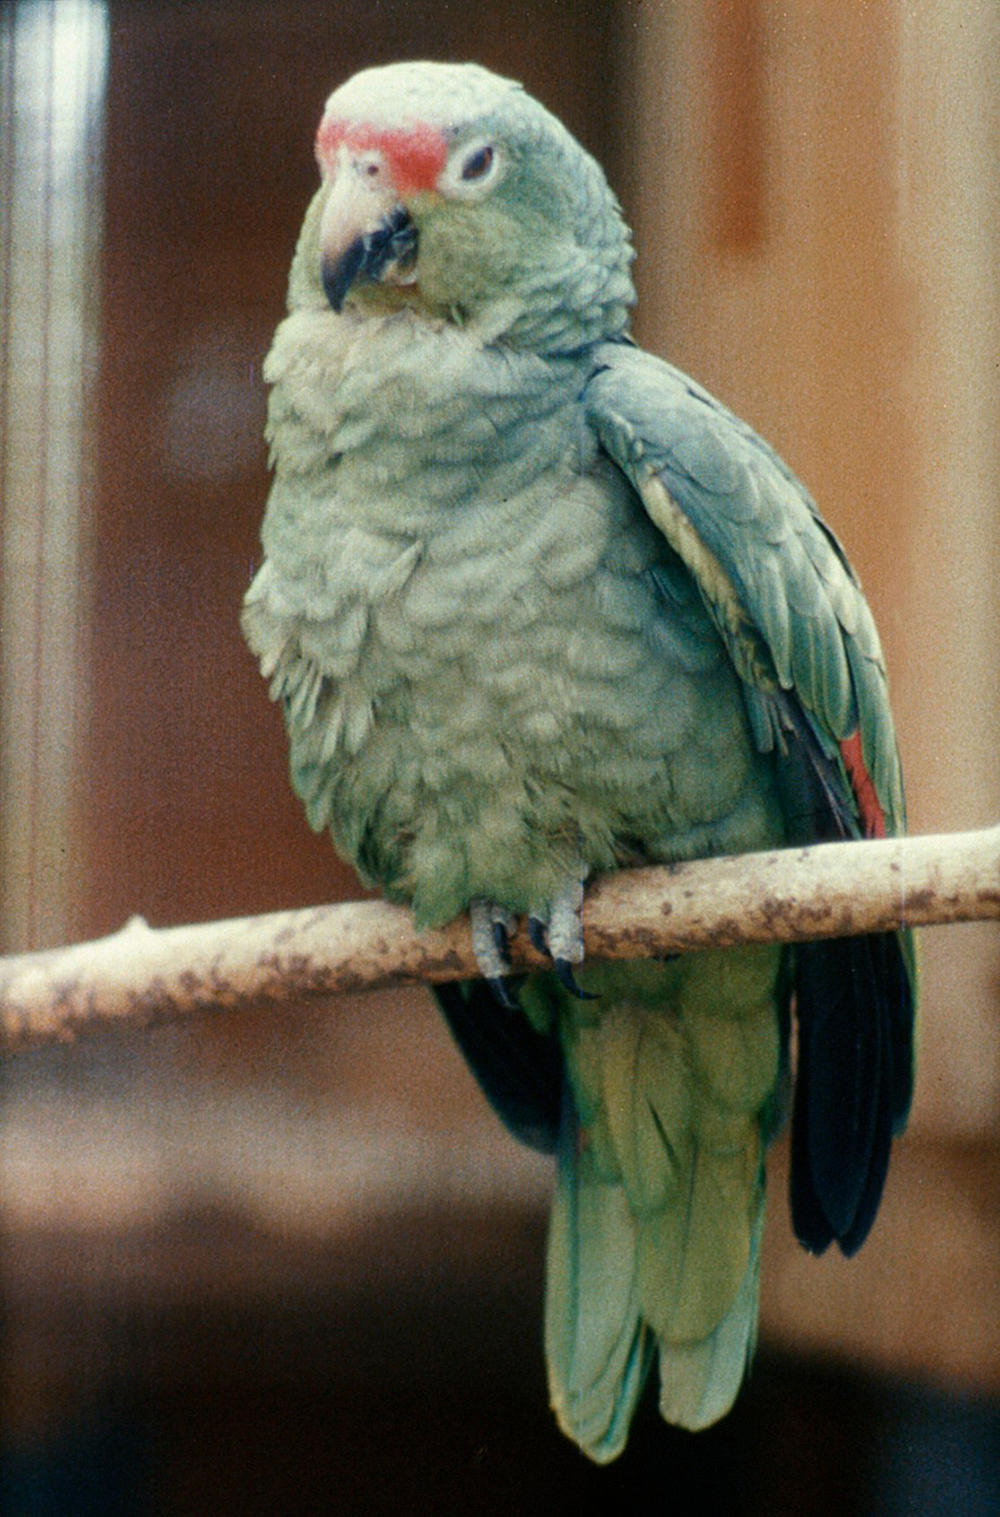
<point x="456" y="606"/>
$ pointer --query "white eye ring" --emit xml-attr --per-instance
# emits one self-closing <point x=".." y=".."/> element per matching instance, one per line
<point x="473" y="167"/>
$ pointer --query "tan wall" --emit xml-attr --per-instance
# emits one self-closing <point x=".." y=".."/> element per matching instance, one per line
<point x="836" y="283"/>
<point x="815" y="198"/>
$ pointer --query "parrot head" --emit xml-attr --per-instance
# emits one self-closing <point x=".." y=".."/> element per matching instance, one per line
<point x="449" y="190"/>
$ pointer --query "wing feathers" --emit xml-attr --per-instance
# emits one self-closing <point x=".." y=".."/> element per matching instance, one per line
<point x="520" y="1070"/>
<point x="800" y="635"/>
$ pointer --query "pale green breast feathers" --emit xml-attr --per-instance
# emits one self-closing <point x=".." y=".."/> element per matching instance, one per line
<point x="482" y="646"/>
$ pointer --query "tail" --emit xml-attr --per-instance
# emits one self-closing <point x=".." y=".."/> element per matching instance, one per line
<point x="855" y="1002"/>
<point x="597" y="1346"/>
<point x="656" y="1230"/>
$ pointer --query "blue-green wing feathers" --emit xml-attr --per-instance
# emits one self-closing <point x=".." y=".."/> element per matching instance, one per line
<point x="799" y="632"/>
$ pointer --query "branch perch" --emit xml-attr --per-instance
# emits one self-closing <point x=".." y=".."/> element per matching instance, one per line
<point x="142" y="975"/>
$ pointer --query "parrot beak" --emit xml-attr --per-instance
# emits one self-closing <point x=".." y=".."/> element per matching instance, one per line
<point x="365" y="233"/>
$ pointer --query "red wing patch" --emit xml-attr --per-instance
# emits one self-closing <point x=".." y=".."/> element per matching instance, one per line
<point x="415" y="155"/>
<point x="869" y="806"/>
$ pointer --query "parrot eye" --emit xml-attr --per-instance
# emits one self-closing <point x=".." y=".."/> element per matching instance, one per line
<point x="479" y="162"/>
<point x="472" y="167"/>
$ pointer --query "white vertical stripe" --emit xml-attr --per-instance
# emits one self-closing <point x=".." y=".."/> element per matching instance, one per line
<point x="52" y="65"/>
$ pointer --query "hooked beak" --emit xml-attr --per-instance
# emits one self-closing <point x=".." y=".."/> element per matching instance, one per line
<point x="365" y="233"/>
<point x="388" y="250"/>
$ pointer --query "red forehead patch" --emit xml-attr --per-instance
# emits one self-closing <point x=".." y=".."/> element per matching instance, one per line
<point x="415" y="155"/>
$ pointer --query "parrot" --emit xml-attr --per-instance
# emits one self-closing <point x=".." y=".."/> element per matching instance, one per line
<point x="535" y="605"/>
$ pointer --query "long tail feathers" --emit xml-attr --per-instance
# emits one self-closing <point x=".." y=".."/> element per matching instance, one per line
<point x="599" y="1343"/>
<point x="700" y="1381"/>
<point x="853" y="1084"/>
<point x="659" y="1123"/>
<point x="598" y="1349"/>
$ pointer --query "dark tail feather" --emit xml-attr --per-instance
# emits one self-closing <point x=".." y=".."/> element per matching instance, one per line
<point x="855" y="1001"/>
<point x="898" y="975"/>
<point x="520" y="1070"/>
<point x="853" y="1084"/>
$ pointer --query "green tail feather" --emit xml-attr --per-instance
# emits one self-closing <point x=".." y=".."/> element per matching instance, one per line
<point x="656" y="1229"/>
<point x="694" y="1253"/>
<point x="599" y="1345"/>
<point x="699" y="1381"/>
<point x="598" y="1349"/>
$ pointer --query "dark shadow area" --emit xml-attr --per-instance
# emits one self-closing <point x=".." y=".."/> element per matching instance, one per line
<point x="376" y="1377"/>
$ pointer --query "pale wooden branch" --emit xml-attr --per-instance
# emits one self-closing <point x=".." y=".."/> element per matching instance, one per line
<point x="142" y="975"/>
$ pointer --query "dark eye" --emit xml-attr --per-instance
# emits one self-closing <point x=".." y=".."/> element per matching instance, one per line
<point x="478" y="163"/>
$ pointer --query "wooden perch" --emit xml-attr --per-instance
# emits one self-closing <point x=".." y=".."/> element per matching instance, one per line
<point x="142" y="975"/>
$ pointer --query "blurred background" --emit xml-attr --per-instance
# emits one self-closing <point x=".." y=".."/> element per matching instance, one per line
<point x="290" y="1263"/>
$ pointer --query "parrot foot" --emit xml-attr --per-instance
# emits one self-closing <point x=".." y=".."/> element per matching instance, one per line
<point x="561" y="937"/>
<point x="492" y="928"/>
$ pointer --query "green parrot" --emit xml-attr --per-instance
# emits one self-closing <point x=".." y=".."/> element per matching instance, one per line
<point x="536" y="605"/>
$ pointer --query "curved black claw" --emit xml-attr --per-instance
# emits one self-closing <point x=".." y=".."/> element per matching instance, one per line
<point x="491" y="932"/>
<point x="501" y="993"/>
<point x="566" y="978"/>
<point x="538" y="934"/>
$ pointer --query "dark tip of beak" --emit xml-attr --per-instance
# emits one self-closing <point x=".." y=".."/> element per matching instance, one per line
<point x="338" y="274"/>
<point x="393" y="241"/>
